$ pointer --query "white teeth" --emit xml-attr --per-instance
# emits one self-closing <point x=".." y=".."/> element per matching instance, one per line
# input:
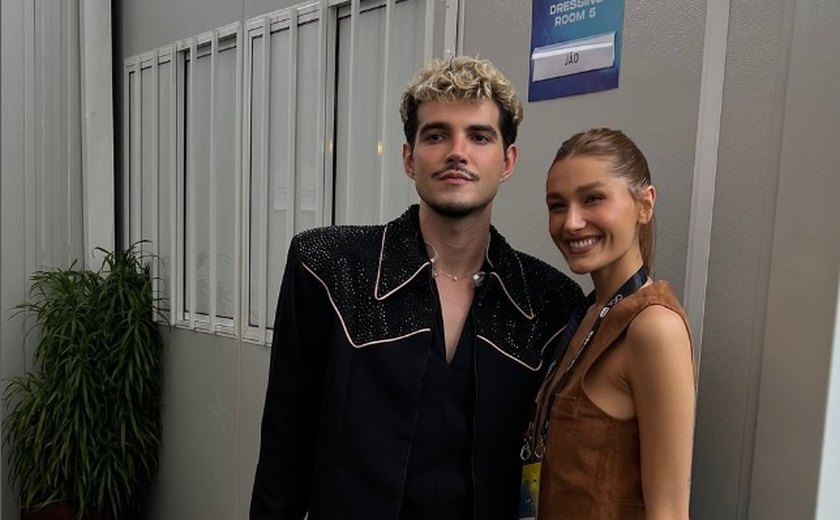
<point x="580" y="244"/>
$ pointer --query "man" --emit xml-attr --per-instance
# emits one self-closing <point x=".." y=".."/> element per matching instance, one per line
<point x="406" y="356"/>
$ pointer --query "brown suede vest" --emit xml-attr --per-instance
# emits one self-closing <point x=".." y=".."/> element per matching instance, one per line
<point x="592" y="464"/>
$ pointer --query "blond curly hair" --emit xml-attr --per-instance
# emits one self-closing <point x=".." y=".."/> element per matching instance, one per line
<point x="457" y="79"/>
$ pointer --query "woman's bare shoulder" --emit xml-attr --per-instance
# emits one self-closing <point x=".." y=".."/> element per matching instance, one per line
<point x="657" y="332"/>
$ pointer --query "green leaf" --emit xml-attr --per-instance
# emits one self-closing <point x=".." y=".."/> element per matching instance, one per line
<point x="84" y="424"/>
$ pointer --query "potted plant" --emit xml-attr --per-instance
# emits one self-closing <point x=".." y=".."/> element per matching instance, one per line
<point x="84" y="426"/>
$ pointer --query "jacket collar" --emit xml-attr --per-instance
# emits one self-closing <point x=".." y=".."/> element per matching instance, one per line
<point x="401" y="259"/>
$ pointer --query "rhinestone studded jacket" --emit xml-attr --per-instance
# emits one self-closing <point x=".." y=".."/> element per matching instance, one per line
<point x="352" y="335"/>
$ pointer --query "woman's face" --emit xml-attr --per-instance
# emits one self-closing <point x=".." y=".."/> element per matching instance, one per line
<point x="593" y="216"/>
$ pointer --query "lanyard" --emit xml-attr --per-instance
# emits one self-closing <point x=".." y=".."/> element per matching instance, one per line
<point x="630" y="286"/>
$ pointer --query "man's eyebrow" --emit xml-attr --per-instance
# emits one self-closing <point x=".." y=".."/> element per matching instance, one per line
<point x="477" y="127"/>
<point x="490" y="129"/>
<point x="434" y="125"/>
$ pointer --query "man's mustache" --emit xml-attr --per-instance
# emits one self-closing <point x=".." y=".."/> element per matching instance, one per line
<point x="455" y="167"/>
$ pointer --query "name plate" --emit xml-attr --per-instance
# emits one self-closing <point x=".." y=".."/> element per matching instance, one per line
<point x="573" y="57"/>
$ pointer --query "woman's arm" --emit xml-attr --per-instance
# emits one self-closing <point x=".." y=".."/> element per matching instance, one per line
<point x="660" y="372"/>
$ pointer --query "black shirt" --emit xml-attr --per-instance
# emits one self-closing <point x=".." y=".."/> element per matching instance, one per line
<point x="438" y="482"/>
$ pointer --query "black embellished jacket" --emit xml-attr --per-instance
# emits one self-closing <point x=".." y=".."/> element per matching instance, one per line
<point x="352" y="336"/>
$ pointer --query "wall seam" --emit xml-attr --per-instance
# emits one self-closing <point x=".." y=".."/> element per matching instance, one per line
<point x="705" y="166"/>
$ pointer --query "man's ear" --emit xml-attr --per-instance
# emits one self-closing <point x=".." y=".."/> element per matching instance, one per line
<point x="408" y="160"/>
<point x="511" y="155"/>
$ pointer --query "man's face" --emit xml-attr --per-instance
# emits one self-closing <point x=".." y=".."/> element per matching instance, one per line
<point x="458" y="160"/>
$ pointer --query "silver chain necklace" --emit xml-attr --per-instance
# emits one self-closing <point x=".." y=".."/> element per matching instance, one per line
<point x="476" y="277"/>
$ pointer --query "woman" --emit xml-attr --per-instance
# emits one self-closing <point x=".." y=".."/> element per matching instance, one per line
<point x="615" y="415"/>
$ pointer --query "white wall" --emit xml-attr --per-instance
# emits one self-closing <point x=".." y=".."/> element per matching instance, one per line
<point x="828" y="500"/>
<point x="46" y="125"/>
<point x="770" y="309"/>
<point x="802" y="291"/>
<point x="738" y="274"/>
<point x="12" y="271"/>
<point x="40" y="165"/>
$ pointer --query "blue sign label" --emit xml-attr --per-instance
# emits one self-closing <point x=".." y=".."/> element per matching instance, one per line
<point x="575" y="47"/>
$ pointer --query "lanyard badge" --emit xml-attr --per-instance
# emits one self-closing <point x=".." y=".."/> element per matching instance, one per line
<point x="529" y="491"/>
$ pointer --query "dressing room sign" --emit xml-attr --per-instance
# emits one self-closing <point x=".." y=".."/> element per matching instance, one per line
<point x="575" y="47"/>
